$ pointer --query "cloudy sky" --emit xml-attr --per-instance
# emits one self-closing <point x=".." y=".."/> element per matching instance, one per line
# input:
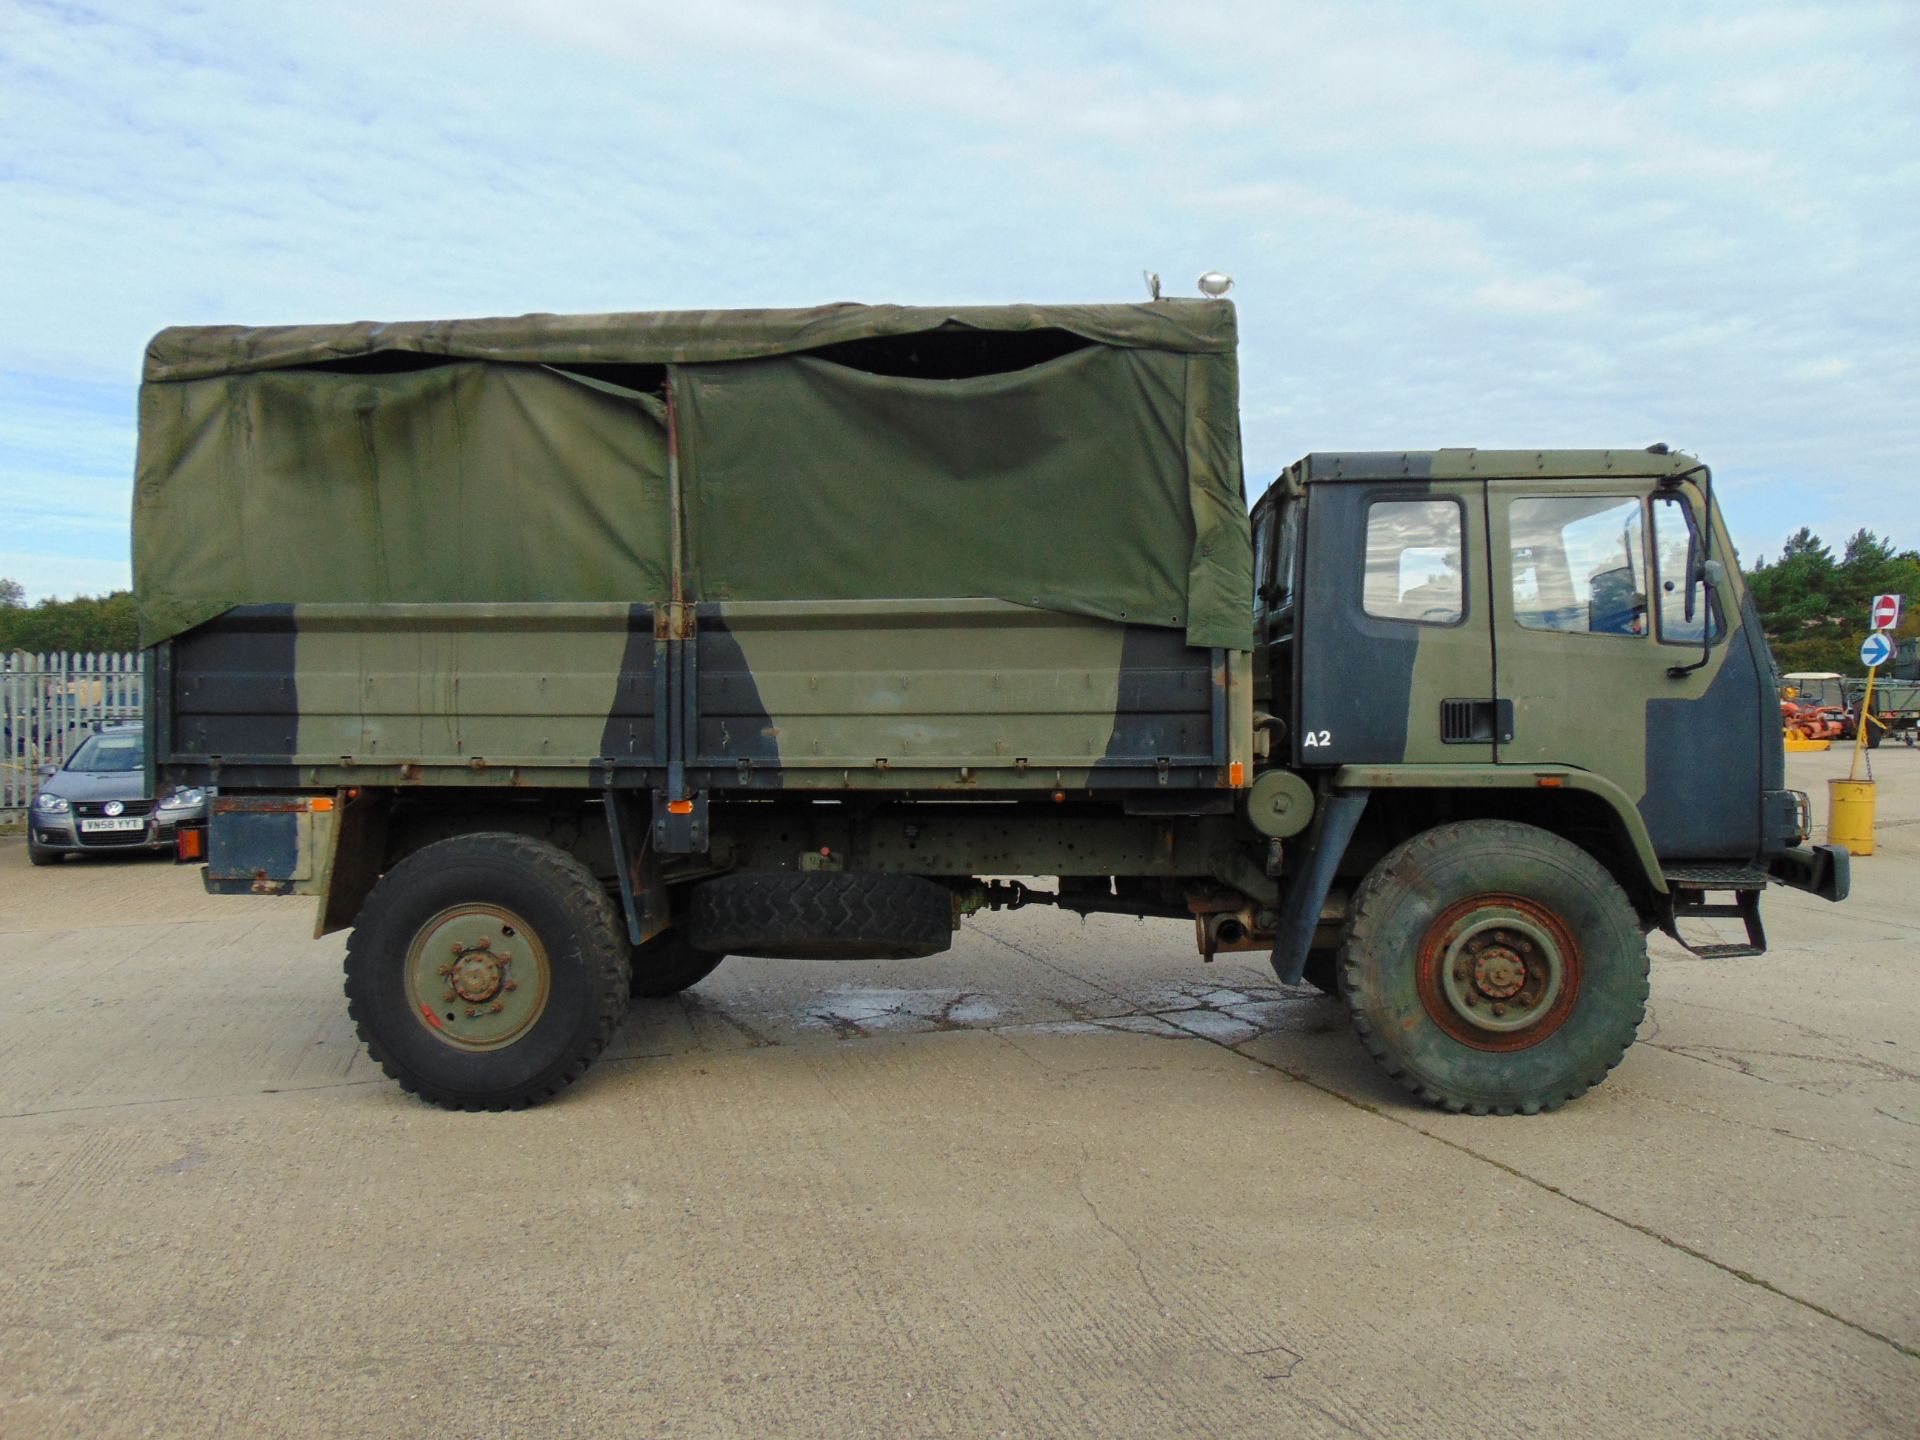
<point x="1461" y="224"/>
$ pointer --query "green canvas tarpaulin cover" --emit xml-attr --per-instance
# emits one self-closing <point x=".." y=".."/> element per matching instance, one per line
<point x="1089" y="464"/>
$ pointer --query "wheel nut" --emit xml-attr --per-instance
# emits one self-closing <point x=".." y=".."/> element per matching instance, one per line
<point x="512" y="985"/>
<point x="1473" y="999"/>
<point x="1498" y="1008"/>
<point x="471" y="1012"/>
<point x="1460" y="972"/>
<point x="498" y="1007"/>
<point x="447" y="996"/>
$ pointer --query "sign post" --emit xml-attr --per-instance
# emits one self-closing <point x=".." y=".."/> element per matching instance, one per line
<point x="1875" y="651"/>
<point x="1850" y="801"/>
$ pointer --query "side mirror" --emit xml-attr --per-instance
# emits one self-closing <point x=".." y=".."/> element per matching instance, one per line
<point x="47" y="772"/>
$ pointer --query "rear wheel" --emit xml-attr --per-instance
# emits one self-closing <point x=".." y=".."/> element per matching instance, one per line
<point x="667" y="964"/>
<point x="485" y="972"/>
<point x="1494" y="968"/>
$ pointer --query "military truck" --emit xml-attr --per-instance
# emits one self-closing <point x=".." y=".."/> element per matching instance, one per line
<point x="561" y="657"/>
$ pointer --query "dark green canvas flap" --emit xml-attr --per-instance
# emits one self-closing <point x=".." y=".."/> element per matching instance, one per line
<point x="357" y="463"/>
<point x="467" y="482"/>
<point x="1061" y="486"/>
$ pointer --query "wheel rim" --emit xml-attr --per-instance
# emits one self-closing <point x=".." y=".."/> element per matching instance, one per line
<point x="477" y="977"/>
<point x="1498" y="972"/>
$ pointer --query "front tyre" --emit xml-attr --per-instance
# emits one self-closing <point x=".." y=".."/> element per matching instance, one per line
<point x="1494" y="968"/>
<point x="486" y="972"/>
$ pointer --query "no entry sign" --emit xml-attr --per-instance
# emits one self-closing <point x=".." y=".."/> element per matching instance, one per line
<point x="1885" y="613"/>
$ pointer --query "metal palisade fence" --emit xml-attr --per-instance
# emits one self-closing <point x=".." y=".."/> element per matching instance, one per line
<point x="48" y="705"/>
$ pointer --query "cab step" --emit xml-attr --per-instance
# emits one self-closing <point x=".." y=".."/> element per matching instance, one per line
<point x="1690" y="885"/>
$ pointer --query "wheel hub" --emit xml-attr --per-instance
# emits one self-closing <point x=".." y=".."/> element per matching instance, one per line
<point x="476" y="974"/>
<point x="1498" y="972"/>
<point x="477" y="977"/>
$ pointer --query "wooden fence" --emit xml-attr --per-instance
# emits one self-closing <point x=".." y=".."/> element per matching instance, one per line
<point x="48" y="705"/>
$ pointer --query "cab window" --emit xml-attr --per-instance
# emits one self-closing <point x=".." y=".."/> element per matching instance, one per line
<point x="1578" y="564"/>
<point x="1685" y="603"/>
<point x="1278" y="574"/>
<point x="1414" y="562"/>
<point x="1262" y="559"/>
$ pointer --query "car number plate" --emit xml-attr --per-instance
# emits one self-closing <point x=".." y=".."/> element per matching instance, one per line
<point x="95" y="827"/>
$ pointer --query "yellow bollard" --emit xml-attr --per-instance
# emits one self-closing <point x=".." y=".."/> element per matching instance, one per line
<point x="1850" y="815"/>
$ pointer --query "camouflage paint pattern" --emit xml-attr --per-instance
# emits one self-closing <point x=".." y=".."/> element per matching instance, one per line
<point x="1694" y="754"/>
<point x="957" y="695"/>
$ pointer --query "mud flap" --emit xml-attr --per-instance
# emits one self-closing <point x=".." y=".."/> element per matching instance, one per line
<point x="1333" y="825"/>
<point x="269" y="844"/>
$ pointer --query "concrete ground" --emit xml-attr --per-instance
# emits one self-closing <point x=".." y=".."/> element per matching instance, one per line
<point x="1063" y="1181"/>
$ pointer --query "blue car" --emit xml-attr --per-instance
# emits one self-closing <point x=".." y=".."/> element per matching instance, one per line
<point x="97" y="802"/>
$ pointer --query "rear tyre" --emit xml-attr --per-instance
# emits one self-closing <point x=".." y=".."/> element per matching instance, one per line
<point x="667" y="964"/>
<point x="822" y="915"/>
<point x="1494" y="968"/>
<point x="486" y="972"/>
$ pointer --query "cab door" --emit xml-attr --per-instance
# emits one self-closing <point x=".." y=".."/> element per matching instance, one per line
<point x="1574" y="648"/>
<point x="1394" y="643"/>
<point x="1594" y="632"/>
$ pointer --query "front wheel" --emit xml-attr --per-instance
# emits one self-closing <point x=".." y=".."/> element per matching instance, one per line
<point x="485" y="972"/>
<point x="1494" y="968"/>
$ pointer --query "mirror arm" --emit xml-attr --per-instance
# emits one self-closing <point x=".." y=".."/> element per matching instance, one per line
<point x="1700" y="577"/>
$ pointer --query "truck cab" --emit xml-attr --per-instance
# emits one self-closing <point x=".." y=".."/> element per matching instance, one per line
<point x="1555" y="637"/>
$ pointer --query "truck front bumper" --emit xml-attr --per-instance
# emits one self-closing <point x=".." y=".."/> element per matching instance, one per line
<point x="1823" y="870"/>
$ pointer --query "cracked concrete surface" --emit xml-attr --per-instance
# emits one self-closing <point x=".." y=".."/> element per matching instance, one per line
<point x="1063" y="1181"/>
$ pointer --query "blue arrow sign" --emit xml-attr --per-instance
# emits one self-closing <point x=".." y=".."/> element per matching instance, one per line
<point x="1876" y="649"/>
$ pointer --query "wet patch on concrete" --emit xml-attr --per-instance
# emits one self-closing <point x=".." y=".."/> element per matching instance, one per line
<point x="1171" y="1010"/>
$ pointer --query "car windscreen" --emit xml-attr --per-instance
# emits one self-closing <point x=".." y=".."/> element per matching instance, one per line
<point x="110" y="754"/>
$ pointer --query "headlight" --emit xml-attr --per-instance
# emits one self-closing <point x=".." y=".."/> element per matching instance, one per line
<point x="51" y="804"/>
<point x="184" y="799"/>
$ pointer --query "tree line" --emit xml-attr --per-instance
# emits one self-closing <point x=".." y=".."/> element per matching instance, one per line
<point x="1812" y="605"/>
<point x="86" y="624"/>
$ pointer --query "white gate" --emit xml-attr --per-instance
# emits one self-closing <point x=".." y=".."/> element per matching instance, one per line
<point x="48" y="705"/>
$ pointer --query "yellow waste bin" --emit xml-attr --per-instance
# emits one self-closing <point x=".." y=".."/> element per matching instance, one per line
<point x="1850" y="815"/>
